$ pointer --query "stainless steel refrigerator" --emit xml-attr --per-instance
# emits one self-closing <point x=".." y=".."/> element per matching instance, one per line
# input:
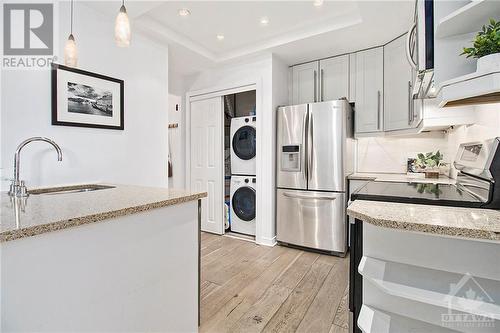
<point x="315" y="154"/>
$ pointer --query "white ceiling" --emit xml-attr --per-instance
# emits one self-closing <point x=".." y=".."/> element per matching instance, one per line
<point x="297" y="30"/>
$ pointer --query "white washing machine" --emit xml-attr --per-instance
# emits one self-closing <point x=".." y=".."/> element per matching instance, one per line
<point x="243" y="204"/>
<point x="243" y="146"/>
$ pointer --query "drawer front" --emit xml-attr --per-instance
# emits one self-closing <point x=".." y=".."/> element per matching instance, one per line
<point x="312" y="219"/>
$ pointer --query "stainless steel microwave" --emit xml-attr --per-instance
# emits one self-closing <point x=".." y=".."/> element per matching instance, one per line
<point x="420" y="48"/>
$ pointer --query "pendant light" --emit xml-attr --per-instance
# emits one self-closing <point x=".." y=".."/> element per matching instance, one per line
<point x="122" y="27"/>
<point x="70" y="51"/>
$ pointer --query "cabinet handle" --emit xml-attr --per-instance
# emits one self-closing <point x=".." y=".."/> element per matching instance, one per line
<point x="378" y="109"/>
<point x="322" y="84"/>
<point x="315" y="90"/>
<point x="410" y="101"/>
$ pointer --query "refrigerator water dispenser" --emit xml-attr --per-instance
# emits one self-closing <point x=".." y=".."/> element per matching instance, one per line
<point x="290" y="158"/>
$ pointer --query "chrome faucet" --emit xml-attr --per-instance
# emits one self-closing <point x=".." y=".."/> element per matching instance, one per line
<point x="17" y="187"/>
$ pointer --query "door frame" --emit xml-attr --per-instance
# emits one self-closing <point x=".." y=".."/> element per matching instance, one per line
<point x="220" y="91"/>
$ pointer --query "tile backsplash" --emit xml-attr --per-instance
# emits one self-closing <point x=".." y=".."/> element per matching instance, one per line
<point x="389" y="154"/>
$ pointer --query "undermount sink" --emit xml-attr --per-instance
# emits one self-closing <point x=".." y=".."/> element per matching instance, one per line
<point x="70" y="189"/>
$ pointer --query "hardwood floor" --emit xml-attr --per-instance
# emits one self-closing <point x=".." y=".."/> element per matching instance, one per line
<point x="251" y="288"/>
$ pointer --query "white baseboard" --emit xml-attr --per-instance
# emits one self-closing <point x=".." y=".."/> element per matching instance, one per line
<point x="266" y="241"/>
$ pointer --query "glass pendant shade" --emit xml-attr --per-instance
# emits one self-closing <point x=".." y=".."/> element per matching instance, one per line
<point x="70" y="52"/>
<point x="122" y="28"/>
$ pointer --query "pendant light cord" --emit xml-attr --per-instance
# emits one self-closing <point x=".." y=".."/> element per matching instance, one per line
<point x="71" y="21"/>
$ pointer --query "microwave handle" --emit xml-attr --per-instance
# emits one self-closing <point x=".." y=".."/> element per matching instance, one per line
<point x="408" y="46"/>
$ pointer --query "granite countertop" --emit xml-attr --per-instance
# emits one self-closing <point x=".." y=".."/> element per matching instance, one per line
<point x="481" y="224"/>
<point x="43" y="213"/>
<point x="400" y="177"/>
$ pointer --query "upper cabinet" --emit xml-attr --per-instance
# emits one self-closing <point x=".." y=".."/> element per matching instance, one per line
<point x="369" y="90"/>
<point x="305" y="83"/>
<point x="399" y="111"/>
<point x="334" y="78"/>
<point x="384" y="88"/>
<point x="322" y="80"/>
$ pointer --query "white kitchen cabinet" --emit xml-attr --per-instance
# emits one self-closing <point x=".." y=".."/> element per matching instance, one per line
<point x="399" y="111"/>
<point x="369" y="113"/>
<point x="322" y="80"/>
<point x="334" y="78"/>
<point x="305" y="83"/>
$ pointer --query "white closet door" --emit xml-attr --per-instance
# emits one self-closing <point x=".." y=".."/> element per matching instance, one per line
<point x="207" y="161"/>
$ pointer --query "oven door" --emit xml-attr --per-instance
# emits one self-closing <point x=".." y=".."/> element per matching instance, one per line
<point x="312" y="219"/>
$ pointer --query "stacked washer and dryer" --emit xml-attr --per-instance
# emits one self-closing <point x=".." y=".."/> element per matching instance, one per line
<point x="243" y="172"/>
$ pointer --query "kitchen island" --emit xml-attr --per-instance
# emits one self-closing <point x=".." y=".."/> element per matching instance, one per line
<point x="424" y="268"/>
<point x="100" y="258"/>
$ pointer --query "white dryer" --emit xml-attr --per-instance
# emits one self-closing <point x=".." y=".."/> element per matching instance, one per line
<point x="243" y="145"/>
<point x="243" y="203"/>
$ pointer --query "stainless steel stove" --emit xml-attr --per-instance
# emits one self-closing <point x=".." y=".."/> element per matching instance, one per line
<point x="477" y="186"/>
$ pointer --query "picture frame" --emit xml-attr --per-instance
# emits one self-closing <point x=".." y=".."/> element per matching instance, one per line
<point x="86" y="99"/>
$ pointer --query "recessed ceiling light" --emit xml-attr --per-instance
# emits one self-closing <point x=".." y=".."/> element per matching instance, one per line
<point x="318" y="3"/>
<point x="264" y="21"/>
<point x="184" y="12"/>
<point x="220" y="37"/>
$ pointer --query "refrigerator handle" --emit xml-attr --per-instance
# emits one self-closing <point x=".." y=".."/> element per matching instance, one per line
<point x="307" y="197"/>
<point x="304" y="158"/>
<point x="310" y="150"/>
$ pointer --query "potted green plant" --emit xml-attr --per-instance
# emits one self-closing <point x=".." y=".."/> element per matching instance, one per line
<point x="429" y="163"/>
<point x="486" y="48"/>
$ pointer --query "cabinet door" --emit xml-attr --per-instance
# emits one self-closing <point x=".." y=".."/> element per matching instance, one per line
<point x="398" y="104"/>
<point x="305" y="83"/>
<point x="334" y="78"/>
<point x="369" y="90"/>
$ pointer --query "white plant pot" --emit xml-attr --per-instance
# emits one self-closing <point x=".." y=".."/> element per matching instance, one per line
<point x="489" y="63"/>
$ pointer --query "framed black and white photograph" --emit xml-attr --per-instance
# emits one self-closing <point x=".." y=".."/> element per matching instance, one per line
<point x="86" y="99"/>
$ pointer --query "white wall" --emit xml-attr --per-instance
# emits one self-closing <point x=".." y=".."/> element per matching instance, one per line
<point x="176" y="142"/>
<point x="280" y="98"/>
<point x="137" y="155"/>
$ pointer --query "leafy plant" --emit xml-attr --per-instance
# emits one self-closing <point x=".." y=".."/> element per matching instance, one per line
<point x="429" y="189"/>
<point x="429" y="160"/>
<point x="487" y="41"/>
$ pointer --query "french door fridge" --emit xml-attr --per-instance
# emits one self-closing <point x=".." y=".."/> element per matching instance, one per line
<point x="314" y="157"/>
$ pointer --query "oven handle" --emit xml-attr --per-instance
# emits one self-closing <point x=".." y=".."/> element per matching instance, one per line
<point x="298" y="196"/>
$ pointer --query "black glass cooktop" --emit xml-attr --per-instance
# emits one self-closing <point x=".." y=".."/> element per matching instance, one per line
<point x="417" y="193"/>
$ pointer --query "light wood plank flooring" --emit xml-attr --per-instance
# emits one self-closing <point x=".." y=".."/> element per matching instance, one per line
<point x="251" y="288"/>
